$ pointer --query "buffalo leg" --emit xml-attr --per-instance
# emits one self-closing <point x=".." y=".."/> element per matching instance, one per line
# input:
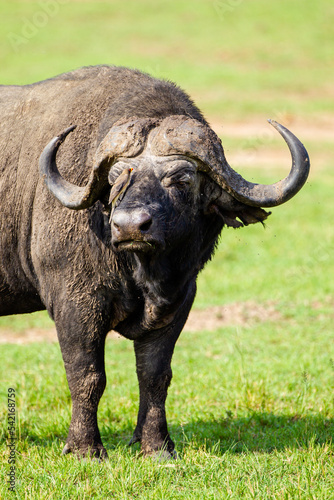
<point x="83" y="355"/>
<point x="153" y="361"/>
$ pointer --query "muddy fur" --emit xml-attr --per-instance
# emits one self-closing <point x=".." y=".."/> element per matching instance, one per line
<point x="66" y="262"/>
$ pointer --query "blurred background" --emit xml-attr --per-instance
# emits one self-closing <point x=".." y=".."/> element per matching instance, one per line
<point x="251" y="404"/>
<point x="242" y="62"/>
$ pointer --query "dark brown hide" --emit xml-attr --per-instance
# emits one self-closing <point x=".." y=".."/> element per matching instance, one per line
<point x="132" y="269"/>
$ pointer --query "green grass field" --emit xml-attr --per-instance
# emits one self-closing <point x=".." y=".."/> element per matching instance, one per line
<point x="237" y="56"/>
<point x="251" y="410"/>
<point x="250" y="406"/>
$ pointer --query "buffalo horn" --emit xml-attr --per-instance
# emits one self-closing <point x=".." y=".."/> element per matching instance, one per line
<point x="263" y="195"/>
<point x="69" y="195"/>
<point x="181" y="136"/>
<point x="125" y="138"/>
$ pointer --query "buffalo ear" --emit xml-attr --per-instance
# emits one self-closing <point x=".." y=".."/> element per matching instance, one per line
<point x="210" y="192"/>
<point x="236" y="214"/>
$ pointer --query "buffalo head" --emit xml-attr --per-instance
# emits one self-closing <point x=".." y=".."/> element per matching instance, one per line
<point x="167" y="171"/>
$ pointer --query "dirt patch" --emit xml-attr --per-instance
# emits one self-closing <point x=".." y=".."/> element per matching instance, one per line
<point x="239" y="313"/>
<point x="28" y="336"/>
<point x="34" y="335"/>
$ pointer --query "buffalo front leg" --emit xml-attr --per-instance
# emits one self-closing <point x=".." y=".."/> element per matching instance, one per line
<point x="153" y="361"/>
<point x="83" y="355"/>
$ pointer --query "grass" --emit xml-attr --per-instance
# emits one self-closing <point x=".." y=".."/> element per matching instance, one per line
<point x="251" y="407"/>
<point x="289" y="261"/>
<point x="251" y="410"/>
<point x="236" y="58"/>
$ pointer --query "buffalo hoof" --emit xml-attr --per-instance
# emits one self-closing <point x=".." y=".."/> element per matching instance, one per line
<point x="164" y="455"/>
<point x="97" y="452"/>
<point x="66" y="449"/>
<point x="134" y="439"/>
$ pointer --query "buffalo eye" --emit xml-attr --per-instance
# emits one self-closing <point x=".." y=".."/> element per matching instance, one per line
<point x="180" y="178"/>
<point x="178" y="182"/>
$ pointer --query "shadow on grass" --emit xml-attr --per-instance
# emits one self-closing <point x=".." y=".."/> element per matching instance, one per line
<point x="261" y="432"/>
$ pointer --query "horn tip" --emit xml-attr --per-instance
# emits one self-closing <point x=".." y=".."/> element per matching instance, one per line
<point x="276" y="125"/>
<point x="62" y="136"/>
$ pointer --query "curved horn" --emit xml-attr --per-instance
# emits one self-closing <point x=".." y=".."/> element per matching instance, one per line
<point x="69" y="195"/>
<point x="183" y="135"/>
<point x="126" y="138"/>
<point x="262" y="195"/>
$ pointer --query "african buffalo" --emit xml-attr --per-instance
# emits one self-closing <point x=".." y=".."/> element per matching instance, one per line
<point x="114" y="191"/>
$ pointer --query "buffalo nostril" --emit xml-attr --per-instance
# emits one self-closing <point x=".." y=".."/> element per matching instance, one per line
<point x="145" y="226"/>
<point x="143" y="221"/>
<point x="130" y="224"/>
